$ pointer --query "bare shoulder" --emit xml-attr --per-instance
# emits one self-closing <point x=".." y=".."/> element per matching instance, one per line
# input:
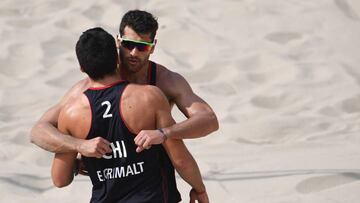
<point x="80" y="87"/>
<point x="139" y="104"/>
<point x="74" y="105"/>
<point x="75" y="114"/>
<point x="144" y="97"/>
<point x="148" y="93"/>
<point x="167" y="76"/>
<point x="77" y="89"/>
<point x="173" y="84"/>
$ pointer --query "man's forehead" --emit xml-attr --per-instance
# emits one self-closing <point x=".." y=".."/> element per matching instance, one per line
<point x="129" y="33"/>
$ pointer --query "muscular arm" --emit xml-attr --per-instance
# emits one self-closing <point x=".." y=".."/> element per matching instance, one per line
<point x="46" y="135"/>
<point x="201" y="118"/>
<point x="63" y="163"/>
<point x="181" y="158"/>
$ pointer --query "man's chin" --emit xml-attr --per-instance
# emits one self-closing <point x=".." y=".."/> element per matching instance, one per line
<point x="133" y="68"/>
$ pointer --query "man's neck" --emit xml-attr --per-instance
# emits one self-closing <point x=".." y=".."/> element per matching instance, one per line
<point x="107" y="80"/>
<point x="140" y="77"/>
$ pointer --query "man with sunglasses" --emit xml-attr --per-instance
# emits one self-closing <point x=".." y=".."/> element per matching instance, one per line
<point x="136" y="43"/>
<point x="107" y="107"/>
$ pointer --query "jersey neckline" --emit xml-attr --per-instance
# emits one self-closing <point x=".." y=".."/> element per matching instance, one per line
<point x="107" y="86"/>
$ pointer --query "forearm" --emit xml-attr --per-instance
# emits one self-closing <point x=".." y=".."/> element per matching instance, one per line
<point x="190" y="172"/>
<point x="184" y="163"/>
<point x="198" y="125"/>
<point x="62" y="169"/>
<point x="46" y="136"/>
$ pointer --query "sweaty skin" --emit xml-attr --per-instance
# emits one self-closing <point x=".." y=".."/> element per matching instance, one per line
<point x="46" y="135"/>
<point x="201" y="118"/>
<point x="75" y="119"/>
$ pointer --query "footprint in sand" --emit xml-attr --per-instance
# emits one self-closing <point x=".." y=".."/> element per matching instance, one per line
<point x="317" y="184"/>
<point x="283" y="37"/>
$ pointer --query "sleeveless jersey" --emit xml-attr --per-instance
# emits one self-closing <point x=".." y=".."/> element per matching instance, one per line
<point x="122" y="175"/>
<point x="167" y="169"/>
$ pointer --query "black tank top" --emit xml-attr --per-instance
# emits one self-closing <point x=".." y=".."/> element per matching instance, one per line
<point x="124" y="175"/>
<point x="167" y="169"/>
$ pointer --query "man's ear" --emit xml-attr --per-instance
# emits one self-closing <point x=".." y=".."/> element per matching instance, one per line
<point x="153" y="47"/>
<point x="118" y="61"/>
<point x="117" y="40"/>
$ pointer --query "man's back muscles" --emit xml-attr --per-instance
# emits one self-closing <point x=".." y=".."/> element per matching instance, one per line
<point x="114" y="112"/>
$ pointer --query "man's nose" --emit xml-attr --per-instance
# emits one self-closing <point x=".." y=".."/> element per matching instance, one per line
<point x="134" y="51"/>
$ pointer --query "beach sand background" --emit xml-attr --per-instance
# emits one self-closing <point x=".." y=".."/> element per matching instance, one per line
<point x="282" y="76"/>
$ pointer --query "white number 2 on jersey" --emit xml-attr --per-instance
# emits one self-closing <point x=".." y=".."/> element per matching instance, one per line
<point x="106" y="114"/>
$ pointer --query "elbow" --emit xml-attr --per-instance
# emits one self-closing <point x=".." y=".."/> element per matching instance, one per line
<point x="36" y="133"/>
<point x="213" y="121"/>
<point x="60" y="182"/>
<point x="33" y="133"/>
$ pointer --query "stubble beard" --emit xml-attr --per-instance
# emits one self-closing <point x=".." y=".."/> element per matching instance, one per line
<point x="129" y="67"/>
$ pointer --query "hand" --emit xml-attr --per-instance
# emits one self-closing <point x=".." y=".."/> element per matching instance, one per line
<point x="200" y="197"/>
<point x="146" y="138"/>
<point x="80" y="167"/>
<point x="96" y="147"/>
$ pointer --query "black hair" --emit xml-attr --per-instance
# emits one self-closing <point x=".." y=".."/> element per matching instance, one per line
<point x="96" y="53"/>
<point x="141" y="22"/>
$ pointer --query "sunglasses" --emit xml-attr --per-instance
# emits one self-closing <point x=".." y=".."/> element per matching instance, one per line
<point x="139" y="45"/>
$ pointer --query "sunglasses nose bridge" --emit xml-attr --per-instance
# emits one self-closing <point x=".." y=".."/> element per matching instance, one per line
<point x="134" y="50"/>
<point x="130" y="45"/>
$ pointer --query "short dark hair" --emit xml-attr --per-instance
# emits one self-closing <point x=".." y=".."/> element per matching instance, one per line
<point x="96" y="53"/>
<point x="141" y="22"/>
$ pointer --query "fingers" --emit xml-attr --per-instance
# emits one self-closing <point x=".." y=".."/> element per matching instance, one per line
<point x="139" y="149"/>
<point x="100" y="149"/>
<point x="82" y="168"/>
<point x="104" y="141"/>
<point x="203" y="198"/>
<point x="104" y="146"/>
<point x="96" y="147"/>
<point x="192" y="196"/>
<point x="146" y="144"/>
<point x="98" y="155"/>
<point x="200" y="197"/>
<point x="84" y="172"/>
<point x="100" y="152"/>
<point x="140" y="142"/>
<point x="139" y="137"/>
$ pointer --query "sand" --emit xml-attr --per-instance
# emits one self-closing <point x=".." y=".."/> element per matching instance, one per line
<point x="282" y="76"/>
